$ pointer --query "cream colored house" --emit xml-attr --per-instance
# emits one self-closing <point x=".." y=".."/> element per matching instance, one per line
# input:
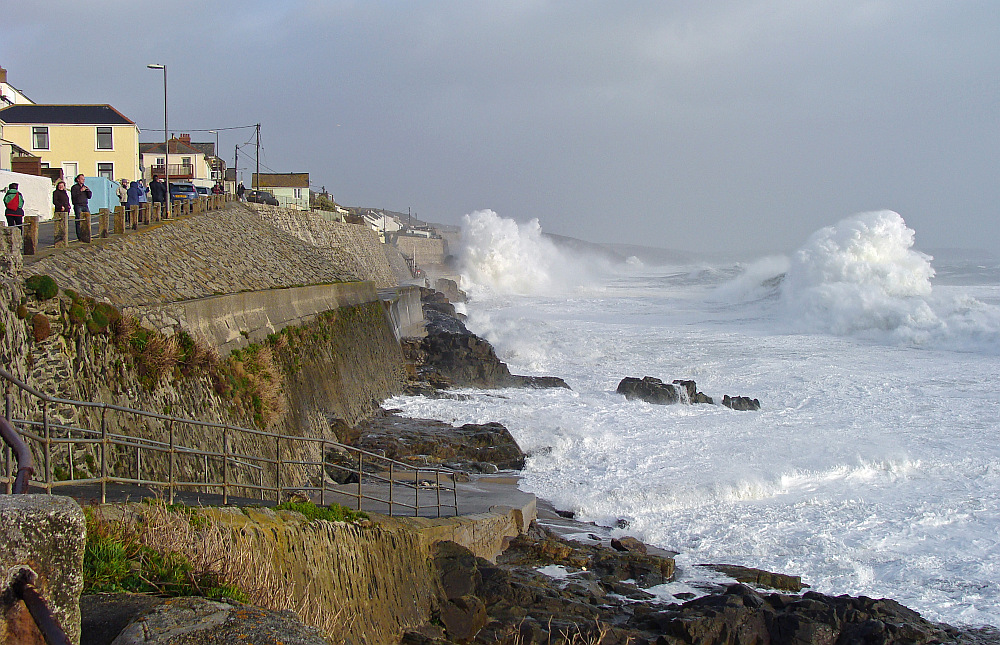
<point x="291" y="189"/>
<point x="96" y="140"/>
<point x="187" y="162"/>
<point x="10" y="95"/>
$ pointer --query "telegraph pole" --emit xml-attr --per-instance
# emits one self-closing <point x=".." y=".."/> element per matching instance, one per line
<point x="257" y="175"/>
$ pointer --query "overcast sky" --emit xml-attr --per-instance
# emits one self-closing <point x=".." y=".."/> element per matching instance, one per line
<point x="727" y="126"/>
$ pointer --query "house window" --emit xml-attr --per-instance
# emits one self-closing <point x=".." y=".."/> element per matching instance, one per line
<point x="298" y="193"/>
<point x="104" y="139"/>
<point x="106" y="169"/>
<point x="40" y="137"/>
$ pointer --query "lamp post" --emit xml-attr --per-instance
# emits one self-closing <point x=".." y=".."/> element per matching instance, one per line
<point x="215" y="165"/>
<point x="166" y="140"/>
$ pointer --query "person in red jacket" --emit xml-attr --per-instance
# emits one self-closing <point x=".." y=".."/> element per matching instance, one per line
<point x="13" y="202"/>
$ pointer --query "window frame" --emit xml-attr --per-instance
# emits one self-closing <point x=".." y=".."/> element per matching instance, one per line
<point x="106" y="163"/>
<point x="110" y="134"/>
<point x="37" y="130"/>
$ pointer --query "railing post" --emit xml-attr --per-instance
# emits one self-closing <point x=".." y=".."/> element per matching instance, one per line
<point x="170" y="472"/>
<point x="119" y="220"/>
<point x="83" y="227"/>
<point x="277" y="469"/>
<point x="48" y="443"/>
<point x="60" y="230"/>
<point x="103" y="216"/>
<point x="133" y="216"/>
<point x="30" y="234"/>
<point x="9" y="405"/>
<point x="104" y="455"/>
<point x="437" y="485"/>
<point x="392" y="486"/>
<point x="322" y="466"/>
<point x="225" y="466"/>
<point x="360" y="466"/>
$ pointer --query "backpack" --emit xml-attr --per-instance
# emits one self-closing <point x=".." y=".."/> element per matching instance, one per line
<point x="13" y="200"/>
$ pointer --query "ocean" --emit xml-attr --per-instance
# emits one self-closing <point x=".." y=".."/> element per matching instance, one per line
<point x="873" y="465"/>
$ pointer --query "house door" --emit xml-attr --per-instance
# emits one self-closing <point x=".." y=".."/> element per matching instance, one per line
<point x="70" y="170"/>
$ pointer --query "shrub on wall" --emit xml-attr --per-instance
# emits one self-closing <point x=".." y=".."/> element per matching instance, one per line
<point x="40" y="326"/>
<point x="43" y="286"/>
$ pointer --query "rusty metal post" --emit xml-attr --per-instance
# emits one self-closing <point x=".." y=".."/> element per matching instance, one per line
<point x="24" y="588"/>
<point x="48" y="446"/>
<point x="225" y="466"/>
<point x="170" y="471"/>
<point x="360" y="466"/>
<point x="322" y="465"/>
<point x="104" y="455"/>
<point x="277" y="469"/>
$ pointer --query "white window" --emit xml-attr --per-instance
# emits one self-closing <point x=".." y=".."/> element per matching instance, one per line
<point x="40" y="137"/>
<point x="298" y="193"/>
<point x="106" y="169"/>
<point x="105" y="140"/>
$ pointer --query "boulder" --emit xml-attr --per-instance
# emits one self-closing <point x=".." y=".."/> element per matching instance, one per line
<point x="41" y="536"/>
<point x="740" y="402"/>
<point x="649" y="389"/>
<point x="200" y="621"/>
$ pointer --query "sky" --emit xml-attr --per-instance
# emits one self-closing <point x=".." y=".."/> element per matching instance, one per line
<point x="727" y="127"/>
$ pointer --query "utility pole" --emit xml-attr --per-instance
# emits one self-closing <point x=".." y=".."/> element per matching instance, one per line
<point x="236" y="166"/>
<point x="257" y="175"/>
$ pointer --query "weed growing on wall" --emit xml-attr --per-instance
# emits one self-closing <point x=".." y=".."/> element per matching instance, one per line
<point x="331" y="513"/>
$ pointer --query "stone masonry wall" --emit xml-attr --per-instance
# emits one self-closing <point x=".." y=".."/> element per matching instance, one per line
<point x="225" y="251"/>
<point x="357" y="245"/>
<point x="427" y="252"/>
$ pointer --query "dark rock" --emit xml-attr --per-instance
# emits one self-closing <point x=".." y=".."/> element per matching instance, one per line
<point x="457" y="569"/>
<point x="565" y="514"/>
<point x="649" y="389"/>
<point x="628" y="543"/>
<point x="740" y="402"/>
<point x="463" y="617"/>
<point x="474" y="447"/>
<point x="759" y="577"/>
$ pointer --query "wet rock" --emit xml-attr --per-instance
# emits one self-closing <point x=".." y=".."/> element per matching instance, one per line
<point x="740" y="402"/>
<point x="649" y="389"/>
<point x="759" y="577"/>
<point x="473" y="447"/>
<point x="628" y="543"/>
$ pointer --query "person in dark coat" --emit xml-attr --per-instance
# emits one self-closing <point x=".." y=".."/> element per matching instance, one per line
<point x="80" y="196"/>
<point x="240" y="190"/>
<point x="60" y="198"/>
<point x="158" y="191"/>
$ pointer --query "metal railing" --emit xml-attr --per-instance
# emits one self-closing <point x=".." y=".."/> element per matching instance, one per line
<point x="22" y="582"/>
<point x="244" y="461"/>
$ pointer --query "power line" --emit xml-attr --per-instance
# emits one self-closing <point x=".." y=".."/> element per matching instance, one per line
<point x="235" y="127"/>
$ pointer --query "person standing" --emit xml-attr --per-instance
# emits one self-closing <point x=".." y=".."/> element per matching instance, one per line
<point x="80" y="196"/>
<point x="60" y="198"/>
<point x="158" y="193"/>
<point x="240" y="190"/>
<point x="123" y="191"/>
<point x="13" y="202"/>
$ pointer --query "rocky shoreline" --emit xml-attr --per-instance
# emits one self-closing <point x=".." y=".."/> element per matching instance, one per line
<point x="545" y="588"/>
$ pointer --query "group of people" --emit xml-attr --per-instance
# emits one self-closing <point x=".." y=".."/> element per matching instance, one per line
<point x="78" y="197"/>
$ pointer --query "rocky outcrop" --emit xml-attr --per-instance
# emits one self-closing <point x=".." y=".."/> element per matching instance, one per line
<point x="452" y="356"/>
<point x="473" y="447"/>
<point x="200" y="621"/>
<point x="595" y="595"/>
<point x="653" y="390"/>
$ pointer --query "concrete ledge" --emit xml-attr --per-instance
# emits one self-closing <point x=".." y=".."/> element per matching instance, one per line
<point x="235" y="320"/>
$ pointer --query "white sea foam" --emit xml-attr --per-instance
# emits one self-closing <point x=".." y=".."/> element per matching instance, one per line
<point x="501" y="256"/>
<point x="872" y="467"/>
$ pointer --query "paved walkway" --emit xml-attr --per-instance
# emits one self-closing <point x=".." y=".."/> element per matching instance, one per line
<point x="476" y="496"/>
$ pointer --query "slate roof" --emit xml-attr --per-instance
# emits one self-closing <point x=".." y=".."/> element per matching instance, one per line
<point x="281" y="180"/>
<point x="177" y="147"/>
<point x="24" y="113"/>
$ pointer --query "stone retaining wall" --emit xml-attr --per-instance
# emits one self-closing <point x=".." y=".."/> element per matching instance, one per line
<point x="233" y="321"/>
<point x="356" y="245"/>
<point x="208" y="254"/>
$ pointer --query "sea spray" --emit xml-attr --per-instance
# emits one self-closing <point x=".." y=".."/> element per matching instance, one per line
<point x="501" y="256"/>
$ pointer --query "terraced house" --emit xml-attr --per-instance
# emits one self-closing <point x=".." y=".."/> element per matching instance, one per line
<point x="96" y="140"/>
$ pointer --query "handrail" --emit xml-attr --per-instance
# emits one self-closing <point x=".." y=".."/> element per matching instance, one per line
<point x="21" y="452"/>
<point x="413" y="480"/>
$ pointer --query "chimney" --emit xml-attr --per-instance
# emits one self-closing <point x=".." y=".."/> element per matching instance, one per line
<point x="3" y="75"/>
<point x="184" y="138"/>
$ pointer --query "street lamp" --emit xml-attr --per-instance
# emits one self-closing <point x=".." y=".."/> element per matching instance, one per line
<point x="166" y="140"/>
<point x="215" y="166"/>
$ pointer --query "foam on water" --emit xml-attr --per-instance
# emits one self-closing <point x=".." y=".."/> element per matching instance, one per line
<point x="873" y="466"/>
